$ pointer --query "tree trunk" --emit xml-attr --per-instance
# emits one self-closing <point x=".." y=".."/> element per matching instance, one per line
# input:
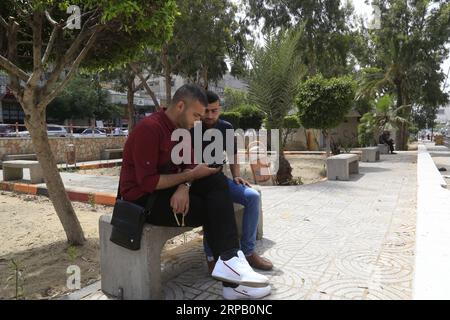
<point x="205" y="78"/>
<point x="130" y="106"/>
<point x="146" y="86"/>
<point x="36" y="124"/>
<point x="152" y="95"/>
<point x="284" y="173"/>
<point x="328" y="142"/>
<point x="167" y="76"/>
<point x="401" y="138"/>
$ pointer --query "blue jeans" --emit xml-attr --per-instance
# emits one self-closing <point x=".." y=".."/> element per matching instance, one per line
<point x="250" y="199"/>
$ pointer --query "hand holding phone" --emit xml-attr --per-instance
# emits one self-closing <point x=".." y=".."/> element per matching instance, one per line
<point x="217" y="165"/>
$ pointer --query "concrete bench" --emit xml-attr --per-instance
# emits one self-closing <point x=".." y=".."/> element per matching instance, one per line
<point x="136" y="275"/>
<point x="340" y="167"/>
<point x="13" y="170"/>
<point x="384" y="148"/>
<point x="30" y="156"/>
<point x="8" y="157"/>
<point x="371" y="154"/>
<point x="106" y="153"/>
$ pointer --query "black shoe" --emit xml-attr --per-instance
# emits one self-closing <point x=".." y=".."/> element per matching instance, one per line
<point x="393" y="152"/>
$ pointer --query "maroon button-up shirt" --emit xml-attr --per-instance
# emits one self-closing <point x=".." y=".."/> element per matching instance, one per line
<point x="147" y="155"/>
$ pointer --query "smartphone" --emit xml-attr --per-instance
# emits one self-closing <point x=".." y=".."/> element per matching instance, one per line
<point x="217" y="165"/>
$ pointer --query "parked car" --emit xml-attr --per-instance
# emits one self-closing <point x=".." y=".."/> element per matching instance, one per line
<point x="93" y="133"/>
<point x="56" y="131"/>
<point x="120" y="132"/>
<point x="7" y="130"/>
<point x="53" y="130"/>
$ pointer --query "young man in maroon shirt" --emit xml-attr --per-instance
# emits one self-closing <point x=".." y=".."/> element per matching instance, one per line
<point x="147" y="168"/>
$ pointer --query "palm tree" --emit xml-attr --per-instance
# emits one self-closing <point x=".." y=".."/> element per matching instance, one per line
<point x="385" y="115"/>
<point x="273" y="84"/>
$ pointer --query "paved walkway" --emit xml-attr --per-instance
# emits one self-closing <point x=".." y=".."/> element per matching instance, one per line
<point x="329" y="240"/>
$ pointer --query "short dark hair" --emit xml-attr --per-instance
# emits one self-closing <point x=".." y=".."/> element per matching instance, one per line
<point x="191" y="92"/>
<point x="212" y="96"/>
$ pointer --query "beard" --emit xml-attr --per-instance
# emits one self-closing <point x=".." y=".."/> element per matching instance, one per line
<point x="209" y="123"/>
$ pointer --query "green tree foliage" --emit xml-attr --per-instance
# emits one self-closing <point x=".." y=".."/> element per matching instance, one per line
<point x="366" y="130"/>
<point x="385" y="116"/>
<point x="234" y="98"/>
<point x="273" y="85"/>
<point x="232" y="117"/>
<point x="250" y="117"/>
<point x="81" y="99"/>
<point x="290" y="124"/>
<point x="326" y="43"/>
<point x="207" y="33"/>
<point x="406" y="54"/>
<point x="323" y="103"/>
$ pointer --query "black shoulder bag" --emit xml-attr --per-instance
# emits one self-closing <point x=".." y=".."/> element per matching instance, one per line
<point x="128" y="221"/>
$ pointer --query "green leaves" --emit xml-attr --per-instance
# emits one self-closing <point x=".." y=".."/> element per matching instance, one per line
<point x="385" y="115"/>
<point x="407" y="52"/>
<point x="206" y="35"/>
<point x="325" y="44"/>
<point x="82" y="98"/>
<point x="323" y="103"/>
<point x="275" y="76"/>
<point x="291" y="122"/>
<point x="250" y="117"/>
<point x="127" y="27"/>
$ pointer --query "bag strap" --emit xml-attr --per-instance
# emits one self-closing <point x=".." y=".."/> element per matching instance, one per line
<point x="150" y="201"/>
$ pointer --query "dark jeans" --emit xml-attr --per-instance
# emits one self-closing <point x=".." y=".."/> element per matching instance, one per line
<point x="210" y="206"/>
<point x="390" y="143"/>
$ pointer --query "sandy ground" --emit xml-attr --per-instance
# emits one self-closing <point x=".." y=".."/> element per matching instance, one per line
<point x="32" y="236"/>
<point x="307" y="167"/>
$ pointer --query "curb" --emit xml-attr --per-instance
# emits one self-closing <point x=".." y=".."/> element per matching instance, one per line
<point x="91" y="166"/>
<point x="102" y="198"/>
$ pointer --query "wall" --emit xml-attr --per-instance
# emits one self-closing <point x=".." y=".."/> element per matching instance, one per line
<point x="297" y="141"/>
<point x="86" y="148"/>
<point x="347" y="132"/>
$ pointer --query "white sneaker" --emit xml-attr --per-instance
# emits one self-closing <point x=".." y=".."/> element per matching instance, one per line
<point x="237" y="270"/>
<point x="245" y="292"/>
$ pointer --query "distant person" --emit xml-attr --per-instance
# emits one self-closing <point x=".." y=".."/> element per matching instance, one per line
<point x="117" y="131"/>
<point x="385" y="138"/>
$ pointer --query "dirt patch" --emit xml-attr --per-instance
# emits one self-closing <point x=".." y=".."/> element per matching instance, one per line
<point x="113" y="171"/>
<point x="310" y="168"/>
<point x="32" y="241"/>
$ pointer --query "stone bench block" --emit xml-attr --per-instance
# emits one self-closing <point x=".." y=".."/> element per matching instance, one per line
<point x="340" y="167"/>
<point x="13" y="170"/>
<point x="371" y="154"/>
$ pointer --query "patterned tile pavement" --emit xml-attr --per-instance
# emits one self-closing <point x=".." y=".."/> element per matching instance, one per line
<point x="330" y="240"/>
